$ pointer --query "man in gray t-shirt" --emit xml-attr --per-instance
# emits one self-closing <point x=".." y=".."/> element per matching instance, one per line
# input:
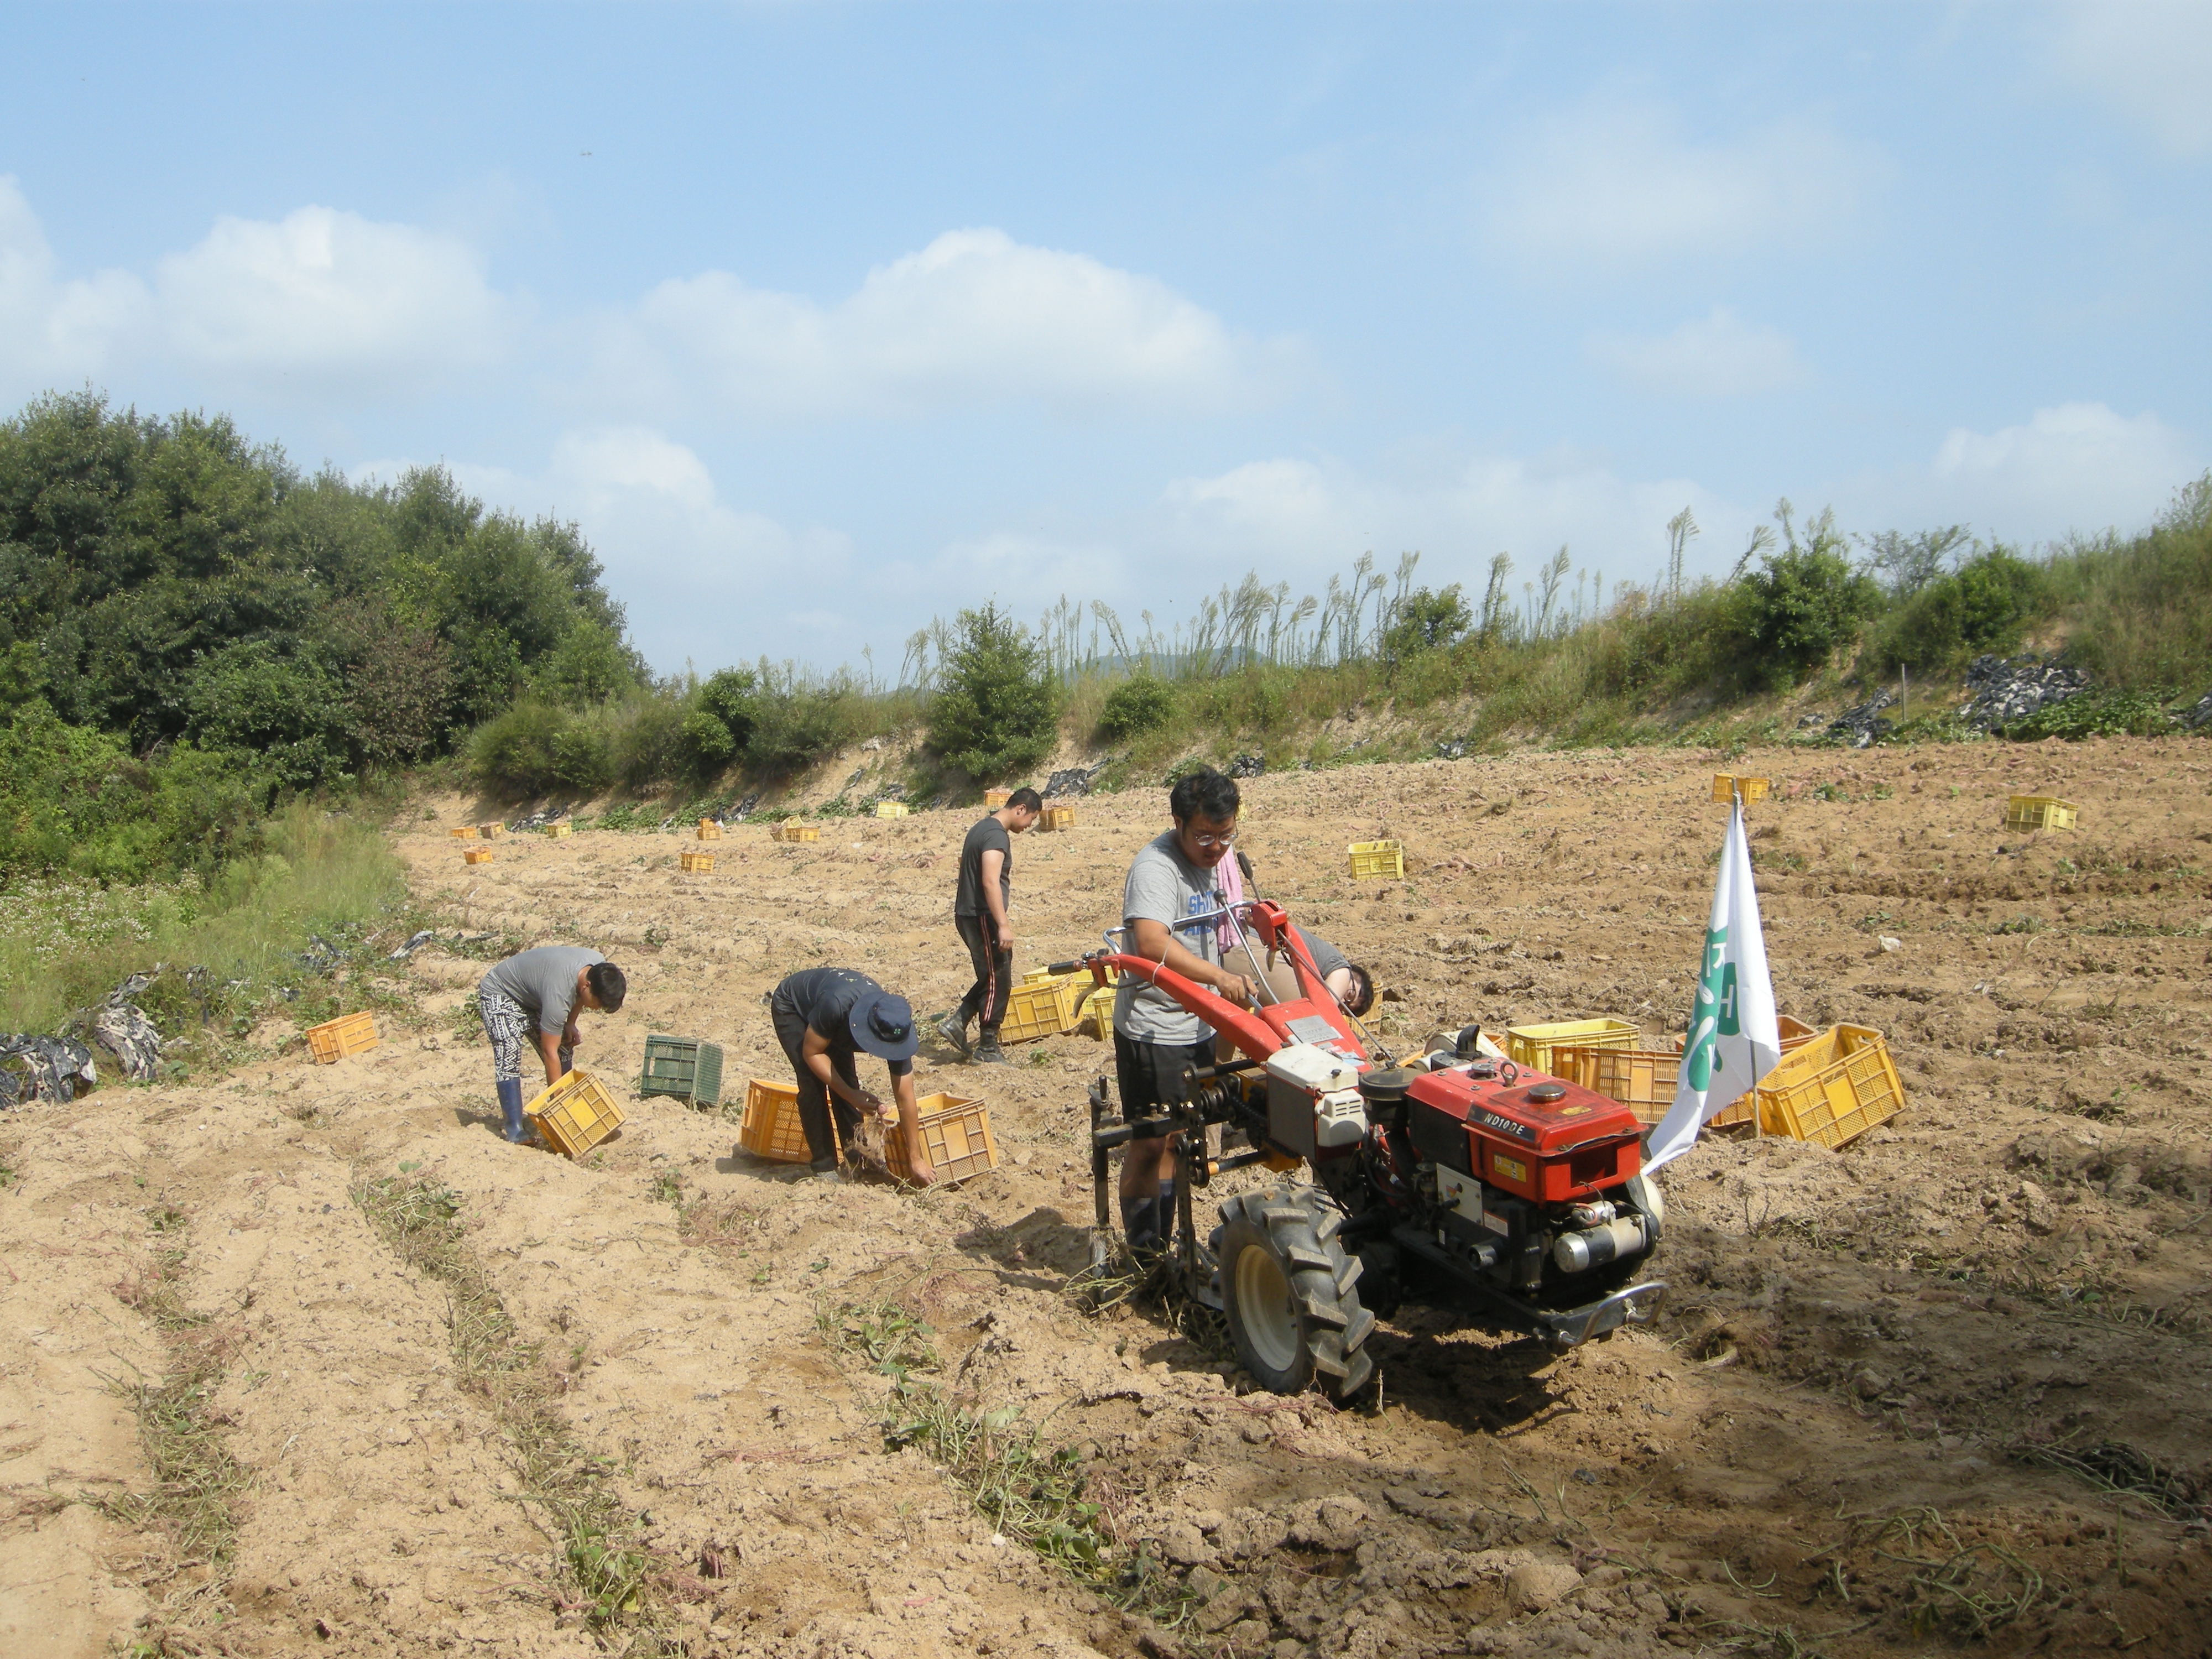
<point x="534" y="997"/>
<point x="1170" y="885"/>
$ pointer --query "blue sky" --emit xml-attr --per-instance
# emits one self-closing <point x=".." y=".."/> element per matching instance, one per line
<point x="823" y="318"/>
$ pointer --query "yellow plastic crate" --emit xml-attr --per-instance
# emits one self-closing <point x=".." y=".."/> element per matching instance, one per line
<point x="1372" y="858"/>
<point x="891" y="809"/>
<point x="476" y="855"/>
<point x="2024" y="812"/>
<point x="1057" y="817"/>
<point x="1041" y="1008"/>
<point x="1796" y="1033"/>
<point x="491" y="831"/>
<point x="348" y="1034"/>
<point x="1096" y="1016"/>
<point x="1832" y="1089"/>
<point x="1529" y="1046"/>
<point x="709" y="831"/>
<point x="797" y="832"/>
<point x="956" y="1130"/>
<point x="770" y="1127"/>
<point x="466" y="832"/>
<point x="994" y="798"/>
<point x="574" y="1114"/>
<point x="1725" y="784"/>
<point x="560" y="830"/>
<point x="698" y="863"/>
<point x="1644" y="1079"/>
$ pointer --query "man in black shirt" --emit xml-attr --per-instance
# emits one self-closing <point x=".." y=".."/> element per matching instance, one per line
<point x="979" y="911"/>
<point x="822" y="1017"/>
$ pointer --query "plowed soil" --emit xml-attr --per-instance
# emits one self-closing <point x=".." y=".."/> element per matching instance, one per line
<point x="1947" y="1387"/>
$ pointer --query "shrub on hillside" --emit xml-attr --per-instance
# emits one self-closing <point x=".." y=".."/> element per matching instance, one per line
<point x="708" y="744"/>
<point x="1804" y="603"/>
<point x="511" y="755"/>
<point x="286" y="707"/>
<point x="731" y="696"/>
<point x="1139" y="704"/>
<point x="996" y="711"/>
<point x="1425" y="620"/>
<point x="1983" y="606"/>
<point x="793" y="729"/>
<point x="648" y="745"/>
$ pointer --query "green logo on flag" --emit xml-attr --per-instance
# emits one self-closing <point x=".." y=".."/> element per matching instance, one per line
<point x="1718" y="1012"/>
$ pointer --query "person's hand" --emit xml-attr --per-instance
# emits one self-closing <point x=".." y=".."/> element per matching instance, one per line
<point x="572" y="1038"/>
<point x="1236" y="989"/>
<point x="868" y="1102"/>
<point x="1006" y="940"/>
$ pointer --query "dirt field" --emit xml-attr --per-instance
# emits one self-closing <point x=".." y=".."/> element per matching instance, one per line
<point x="1946" y="1389"/>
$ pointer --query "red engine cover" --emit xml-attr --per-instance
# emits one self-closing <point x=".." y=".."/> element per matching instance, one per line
<point x="1551" y="1150"/>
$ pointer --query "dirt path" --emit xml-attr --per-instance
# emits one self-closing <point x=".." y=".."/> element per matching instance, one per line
<point x="1848" y="1434"/>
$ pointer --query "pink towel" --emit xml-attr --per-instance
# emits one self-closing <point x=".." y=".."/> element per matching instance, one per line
<point x="1228" y="878"/>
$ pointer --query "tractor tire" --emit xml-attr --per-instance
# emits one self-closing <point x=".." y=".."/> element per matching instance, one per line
<point x="1287" y="1290"/>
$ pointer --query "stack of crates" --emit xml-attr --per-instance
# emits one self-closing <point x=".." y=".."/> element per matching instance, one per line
<point x="684" y="1067"/>
<point x="574" y="1114"/>
<point x="697" y="863"/>
<point x="2029" y="812"/>
<point x="334" y="1039"/>
<point x="1371" y="860"/>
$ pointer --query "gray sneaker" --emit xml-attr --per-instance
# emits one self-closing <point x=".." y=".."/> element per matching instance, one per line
<point x="954" y="1031"/>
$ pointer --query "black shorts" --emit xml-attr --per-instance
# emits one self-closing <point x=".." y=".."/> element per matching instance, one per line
<point x="1151" y="1073"/>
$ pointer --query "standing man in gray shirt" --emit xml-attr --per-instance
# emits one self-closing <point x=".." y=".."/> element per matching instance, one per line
<point x="536" y="996"/>
<point x="1171" y="883"/>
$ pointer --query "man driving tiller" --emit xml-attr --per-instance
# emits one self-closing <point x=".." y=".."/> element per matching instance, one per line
<point x="1170" y="881"/>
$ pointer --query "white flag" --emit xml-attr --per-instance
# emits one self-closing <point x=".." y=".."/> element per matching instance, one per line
<point x="1733" y="1040"/>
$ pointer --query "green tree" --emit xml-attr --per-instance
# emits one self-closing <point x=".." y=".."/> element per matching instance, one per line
<point x="1425" y="620"/>
<point x="996" y="711"/>
<point x="1804" y="603"/>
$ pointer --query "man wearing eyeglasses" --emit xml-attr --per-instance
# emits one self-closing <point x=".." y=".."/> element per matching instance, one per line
<point x="1171" y="884"/>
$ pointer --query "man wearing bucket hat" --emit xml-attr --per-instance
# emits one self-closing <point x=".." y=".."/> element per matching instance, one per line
<point x="825" y="1016"/>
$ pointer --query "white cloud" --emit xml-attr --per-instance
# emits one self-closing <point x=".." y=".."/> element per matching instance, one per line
<point x="1718" y="355"/>
<point x="53" y="331"/>
<point x="974" y="318"/>
<point x="323" y="294"/>
<point x="321" y="298"/>
<point x="1304" y="520"/>
<point x="2072" y="467"/>
<point x="2150" y="60"/>
<point x="1617" y="181"/>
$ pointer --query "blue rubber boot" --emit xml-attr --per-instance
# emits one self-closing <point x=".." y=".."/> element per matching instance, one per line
<point x="510" y="1108"/>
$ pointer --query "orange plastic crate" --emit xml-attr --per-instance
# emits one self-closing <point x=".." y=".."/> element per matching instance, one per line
<point x="994" y="798"/>
<point x="476" y="855"/>
<point x="466" y="832"/>
<point x="699" y="863"/>
<point x="1057" y="817"/>
<point x="575" y="1114"/>
<point x="1727" y="785"/>
<point x="348" y="1034"/>
<point x="770" y="1126"/>
<point x="491" y="831"/>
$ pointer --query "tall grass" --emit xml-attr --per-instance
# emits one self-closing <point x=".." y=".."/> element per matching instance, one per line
<point x="2138" y="613"/>
<point x="65" y="943"/>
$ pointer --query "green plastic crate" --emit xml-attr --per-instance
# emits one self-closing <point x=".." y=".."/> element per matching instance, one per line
<point x="682" y="1067"/>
